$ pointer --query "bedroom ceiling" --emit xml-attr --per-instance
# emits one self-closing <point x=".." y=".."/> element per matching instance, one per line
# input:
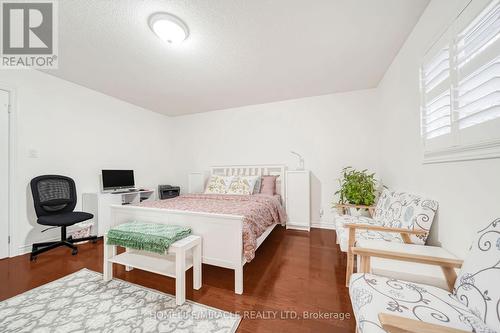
<point x="239" y="52"/>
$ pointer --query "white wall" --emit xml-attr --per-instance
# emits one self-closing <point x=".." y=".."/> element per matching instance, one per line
<point x="330" y="131"/>
<point x="77" y="132"/>
<point x="468" y="192"/>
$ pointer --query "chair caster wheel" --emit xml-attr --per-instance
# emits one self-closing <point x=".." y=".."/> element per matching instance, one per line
<point x="74" y="252"/>
<point x="32" y="258"/>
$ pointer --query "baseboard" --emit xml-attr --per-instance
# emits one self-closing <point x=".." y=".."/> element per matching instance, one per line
<point x="23" y="249"/>
<point x="297" y="227"/>
<point x="26" y="248"/>
<point x="322" y="225"/>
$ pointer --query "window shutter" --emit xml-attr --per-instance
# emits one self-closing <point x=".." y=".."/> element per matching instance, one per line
<point x="435" y="82"/>
<point x="478" y="72"/>
<point x="460" y="85"/>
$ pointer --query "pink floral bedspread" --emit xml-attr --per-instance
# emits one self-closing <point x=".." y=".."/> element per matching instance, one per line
<point x="258" y="211"/>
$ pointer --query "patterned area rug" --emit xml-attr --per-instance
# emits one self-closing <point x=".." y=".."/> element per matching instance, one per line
<point x="83" y="302"/>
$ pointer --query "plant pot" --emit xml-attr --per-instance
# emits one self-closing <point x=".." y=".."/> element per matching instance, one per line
<point x="359" y="212"/>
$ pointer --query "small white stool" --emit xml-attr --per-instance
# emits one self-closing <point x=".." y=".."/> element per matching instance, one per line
<point x="181" y="256"/>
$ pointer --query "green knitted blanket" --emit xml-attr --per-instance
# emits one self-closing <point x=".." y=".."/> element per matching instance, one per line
<point x="152" y="237"/>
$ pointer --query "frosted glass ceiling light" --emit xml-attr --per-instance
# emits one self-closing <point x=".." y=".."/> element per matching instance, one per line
<point x="168" y="28"/>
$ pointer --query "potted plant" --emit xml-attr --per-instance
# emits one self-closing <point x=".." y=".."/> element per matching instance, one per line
<point x="357" y="188"/>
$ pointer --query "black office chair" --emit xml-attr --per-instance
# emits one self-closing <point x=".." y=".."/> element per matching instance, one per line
<point x="55" y="198"/>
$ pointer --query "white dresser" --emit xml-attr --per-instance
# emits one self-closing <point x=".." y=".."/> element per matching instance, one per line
<point x="298" y="199"/>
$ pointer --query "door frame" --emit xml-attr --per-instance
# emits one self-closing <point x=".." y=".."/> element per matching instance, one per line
<point x="12" y="173"/>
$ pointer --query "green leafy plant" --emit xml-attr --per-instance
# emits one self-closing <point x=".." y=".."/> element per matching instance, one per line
<point x="357" y="187"/>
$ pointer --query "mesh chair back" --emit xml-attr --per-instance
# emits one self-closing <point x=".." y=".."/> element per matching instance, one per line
<point x="53" y="194"/>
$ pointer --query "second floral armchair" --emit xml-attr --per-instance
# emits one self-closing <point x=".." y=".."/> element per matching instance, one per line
<point x="398" y="217"/>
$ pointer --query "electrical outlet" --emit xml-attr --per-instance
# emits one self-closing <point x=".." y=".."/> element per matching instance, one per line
<point x="33" y="153"/>
<point x="321" y="212"/>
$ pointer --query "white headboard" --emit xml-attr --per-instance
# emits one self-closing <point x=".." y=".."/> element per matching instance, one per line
<point x="255" y="170"/>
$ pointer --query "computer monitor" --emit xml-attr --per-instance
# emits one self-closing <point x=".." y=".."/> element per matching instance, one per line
<point x="117" y="179"/>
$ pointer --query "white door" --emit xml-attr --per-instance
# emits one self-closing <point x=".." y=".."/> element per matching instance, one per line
<point x="4" y="173"/>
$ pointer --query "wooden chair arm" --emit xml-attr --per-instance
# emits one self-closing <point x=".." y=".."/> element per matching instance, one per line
<point x="396" y="324"/>
<point x="351" y="242"/>
<point x="382" y="228"/>
<point x="447" y="265"/>
<point x="421" y="259"/>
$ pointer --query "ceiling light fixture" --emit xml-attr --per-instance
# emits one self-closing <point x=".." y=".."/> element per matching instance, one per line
<point x="168" y="28"/>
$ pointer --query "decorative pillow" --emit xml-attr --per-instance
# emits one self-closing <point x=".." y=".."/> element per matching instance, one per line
<point x="268" y="186"/>
<point x="243" y="185"/>
<point x="253" y="181"/>
<point x="218" y="184"/>
<point x="258" y="183"/>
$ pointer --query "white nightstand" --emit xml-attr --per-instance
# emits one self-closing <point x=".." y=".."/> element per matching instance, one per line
<point x="298" y="199"/>
<point x="196" y="182"/>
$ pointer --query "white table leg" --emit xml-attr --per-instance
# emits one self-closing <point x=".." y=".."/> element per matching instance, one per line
<point x="238" y="280"/>
<point x="180" y="276"/>
<point x="128" y="268"/>
<point x="197" y="267"/>
<point x="109" y="252"/>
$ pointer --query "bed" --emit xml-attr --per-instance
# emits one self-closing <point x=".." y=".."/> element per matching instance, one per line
<point x="228" y="224"/>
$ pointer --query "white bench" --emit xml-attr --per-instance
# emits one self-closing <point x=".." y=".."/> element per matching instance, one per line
<point x="181" y="256"/>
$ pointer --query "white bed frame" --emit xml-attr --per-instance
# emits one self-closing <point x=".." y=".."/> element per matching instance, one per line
<point x="222" y="235"/>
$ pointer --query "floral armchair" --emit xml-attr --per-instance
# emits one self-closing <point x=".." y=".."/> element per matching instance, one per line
<point x="382" y="304"/>
<point x="398" y="217"/>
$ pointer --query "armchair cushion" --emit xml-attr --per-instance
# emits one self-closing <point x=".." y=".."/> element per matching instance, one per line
<point x="383" y="204"/>
<point x="372" y="294"/>
<point x="343" y="234"/>
<point x="405" y="210"/>
<point x="477" y="283"/>
<point x="341" y="220"/>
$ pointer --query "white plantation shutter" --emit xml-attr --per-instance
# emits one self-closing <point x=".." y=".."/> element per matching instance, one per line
<point x="437" y="70"/>
<point x="436" y="94"/>
<point x="461" y="85"/>
<point x="479" y="95"/>
<point x="478" y="73"/>
<point x="437" y="121"/>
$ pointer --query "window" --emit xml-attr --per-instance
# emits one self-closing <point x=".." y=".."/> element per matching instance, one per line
<point x="460" y="85"/>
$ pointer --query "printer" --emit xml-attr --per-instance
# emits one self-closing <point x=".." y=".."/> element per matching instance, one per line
<point x="168" y="191"/>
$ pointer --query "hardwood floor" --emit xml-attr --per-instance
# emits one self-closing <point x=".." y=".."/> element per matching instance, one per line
<point x="293" y="271"/>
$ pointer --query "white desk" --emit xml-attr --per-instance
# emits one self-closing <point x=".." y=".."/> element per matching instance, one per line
<point x="99" y="204"/>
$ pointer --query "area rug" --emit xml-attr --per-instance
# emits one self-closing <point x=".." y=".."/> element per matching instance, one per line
<point x="83" y="302"/>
